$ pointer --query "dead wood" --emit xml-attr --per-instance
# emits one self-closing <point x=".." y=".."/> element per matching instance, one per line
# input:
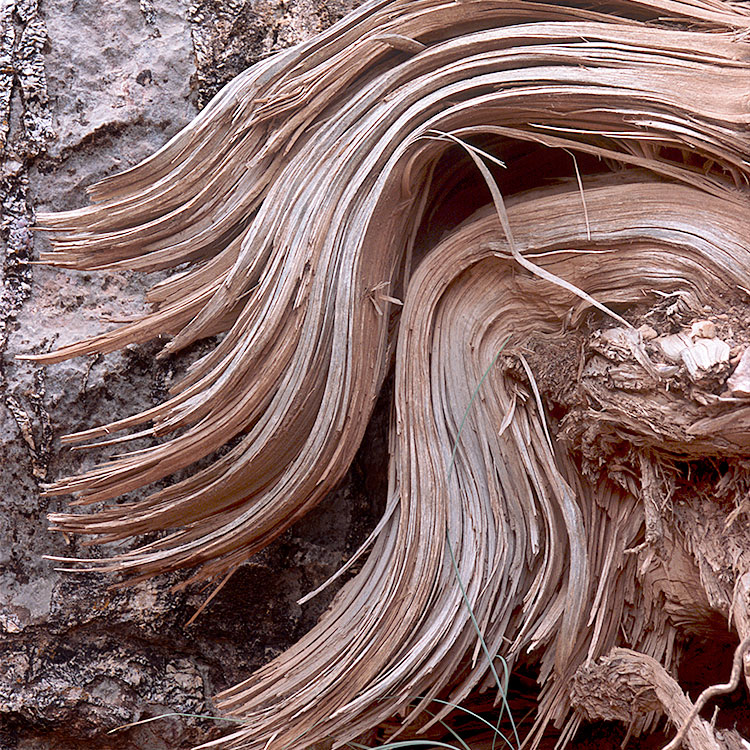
<point x="631" y="687"/>
<point x="326" y="205"/>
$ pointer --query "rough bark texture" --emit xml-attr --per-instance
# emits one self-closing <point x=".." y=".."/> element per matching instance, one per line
<point x="87" y="89"/>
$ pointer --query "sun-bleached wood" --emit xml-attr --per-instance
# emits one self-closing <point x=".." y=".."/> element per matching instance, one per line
<point x="297" y="197"/>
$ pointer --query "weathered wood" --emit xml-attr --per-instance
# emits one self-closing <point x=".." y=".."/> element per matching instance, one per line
<point x="529" y="490"/>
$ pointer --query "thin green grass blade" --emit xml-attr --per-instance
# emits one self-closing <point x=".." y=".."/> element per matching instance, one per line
<point x="503" y="692"/>
<point x="172" y="714"/>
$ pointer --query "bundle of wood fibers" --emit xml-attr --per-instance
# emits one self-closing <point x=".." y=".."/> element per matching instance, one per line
<point x="534" y="209"/>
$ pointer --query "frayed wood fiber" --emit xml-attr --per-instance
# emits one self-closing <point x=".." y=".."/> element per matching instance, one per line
<point x="316" y="193"/>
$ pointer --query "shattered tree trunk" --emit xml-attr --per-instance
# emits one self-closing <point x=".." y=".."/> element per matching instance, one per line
<point x="537" y="215"/>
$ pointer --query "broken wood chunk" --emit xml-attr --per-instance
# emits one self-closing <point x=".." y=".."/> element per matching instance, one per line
<point x="739" y="381"/>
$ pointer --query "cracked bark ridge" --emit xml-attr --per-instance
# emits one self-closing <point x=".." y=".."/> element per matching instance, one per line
<point x="23" y="35"/>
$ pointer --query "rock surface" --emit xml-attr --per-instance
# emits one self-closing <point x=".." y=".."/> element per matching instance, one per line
<point x="88" y="89"/>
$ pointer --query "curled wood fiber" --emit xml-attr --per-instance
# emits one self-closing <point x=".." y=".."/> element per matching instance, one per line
<point x="297" y="197"/>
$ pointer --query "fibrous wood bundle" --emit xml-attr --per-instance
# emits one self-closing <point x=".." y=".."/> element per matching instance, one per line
<point x="537" y="213"/>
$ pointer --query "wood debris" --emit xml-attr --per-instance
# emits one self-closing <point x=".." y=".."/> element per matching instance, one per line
<point x="330" y="182"/>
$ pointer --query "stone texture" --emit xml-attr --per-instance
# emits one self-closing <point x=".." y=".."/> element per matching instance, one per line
<point x="228" y="33"/>
<point x="87" y="89"/>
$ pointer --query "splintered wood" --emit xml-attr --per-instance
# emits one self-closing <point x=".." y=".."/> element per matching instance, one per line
<point x="333" y="206"/>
